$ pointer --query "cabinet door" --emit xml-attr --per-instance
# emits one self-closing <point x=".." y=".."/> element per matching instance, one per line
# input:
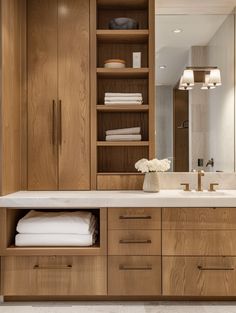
<point x="73" y="88"/>
<point x="42" y="90"/>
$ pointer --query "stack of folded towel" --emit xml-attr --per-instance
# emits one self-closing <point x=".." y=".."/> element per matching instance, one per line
<point x="123" y="98"/>
<point x="124" y="134"/>
<point x="56" y="229"/>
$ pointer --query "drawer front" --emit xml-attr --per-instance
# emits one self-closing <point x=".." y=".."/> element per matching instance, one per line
<point x="134" y="242"/>
<point x="55" y="275"/>
<point x="199" y="242"/>
<point x="199" y="218"/>
<point x="199" y="276"/>
<point x="134" y="218"/>
<point x="134" y="275"/>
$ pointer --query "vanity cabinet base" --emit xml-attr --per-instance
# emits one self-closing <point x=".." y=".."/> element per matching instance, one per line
<point x="55" y="276"/>
<point x="199" y="276"/>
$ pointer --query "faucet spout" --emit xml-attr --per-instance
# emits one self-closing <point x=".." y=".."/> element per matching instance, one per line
<point x="200" y="174"/>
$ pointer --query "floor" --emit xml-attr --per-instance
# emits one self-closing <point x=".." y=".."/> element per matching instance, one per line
<point x="119" y="307"/>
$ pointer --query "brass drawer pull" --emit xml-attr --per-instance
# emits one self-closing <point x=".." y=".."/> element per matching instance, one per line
<point x="135" y="268"/>
<point x="54" y="125"/>
<point x="127" y="241"/>
<point x="202" y="268"/>
<point x="53" y="267"/>
<point x="60" y="123"/>
<point x="125" y="217"/>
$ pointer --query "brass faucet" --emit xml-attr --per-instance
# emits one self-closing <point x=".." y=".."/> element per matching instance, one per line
<point x="199" y="180"/>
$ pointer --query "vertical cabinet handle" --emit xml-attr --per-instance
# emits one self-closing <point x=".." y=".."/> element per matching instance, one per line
<point x="54" y="118"/>
<point x="60" y="123"/>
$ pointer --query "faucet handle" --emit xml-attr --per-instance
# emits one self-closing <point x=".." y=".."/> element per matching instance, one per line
<point x="186" y="186"/>
<point x="211" y="188"/>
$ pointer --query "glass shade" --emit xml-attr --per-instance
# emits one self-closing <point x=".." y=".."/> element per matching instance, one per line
<point x="187" y="78"/>
<point x="215" y="78"/>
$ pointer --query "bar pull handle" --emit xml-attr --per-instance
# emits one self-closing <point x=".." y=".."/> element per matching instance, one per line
<point x="135" y="268"/>
<point x="54" y="118"/>
<point x="60" y="121"/>
<point x="139" y="241"/>
<point x="216" y="268"/>
<point x="53" y="267"/>
<point x="126" y="217"/>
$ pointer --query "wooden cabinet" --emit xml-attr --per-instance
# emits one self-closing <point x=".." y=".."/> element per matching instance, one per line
<point x="134" y="251"/>
<point x="58" y="95"/>
<point x="134" y="275"/>
<point x="60" y="275"/>
<point x="199" y="276"/>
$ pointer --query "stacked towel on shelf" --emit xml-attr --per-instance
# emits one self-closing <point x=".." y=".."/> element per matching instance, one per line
<point x="123" y="98"/>
<point x="56" y="229"/>
<point x="124" y="134"/>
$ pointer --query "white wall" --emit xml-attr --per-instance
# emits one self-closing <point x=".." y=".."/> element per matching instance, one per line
<point x="164" y="122"/>
<point x="220" y="52"/>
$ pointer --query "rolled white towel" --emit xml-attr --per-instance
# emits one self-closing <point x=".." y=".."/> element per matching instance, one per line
<point x="123" y="138"/>
<point x="38" y="222"/>
<point x="124" y="131"/>
<point x="113" y="99"/>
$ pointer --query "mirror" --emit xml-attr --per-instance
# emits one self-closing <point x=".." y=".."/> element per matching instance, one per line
<point x="195" y="128"/>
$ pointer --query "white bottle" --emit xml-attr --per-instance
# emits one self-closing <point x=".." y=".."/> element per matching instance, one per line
<point x="137" y="59"/>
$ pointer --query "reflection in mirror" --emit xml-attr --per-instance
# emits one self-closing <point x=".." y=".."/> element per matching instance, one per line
<point x="195" y="91"/>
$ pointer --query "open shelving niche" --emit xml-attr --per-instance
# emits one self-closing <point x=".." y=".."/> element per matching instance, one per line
<point x="9" y="218"/>
<point x="113" y="162"/>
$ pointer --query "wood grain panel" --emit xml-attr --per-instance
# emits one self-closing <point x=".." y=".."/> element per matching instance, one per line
<point x="64" y="275"/>
<point x="134" y="275"/>
<point x="196" y="276"/>
<point x="124" y="85"/>
<point x="73" y="88"/>
<point x="42" y="90"/>
<point x="121" y="51"/>
<point x="199" y="242"/>
<point x="199" y="218"/>
<point x="134" y="242"/>
<point x="110" y="120"/>
<point x="134" y="218"/>
<point x="104" y="16"/>
<point x="119" y="182"/>
<point x="12" y="95"/>
<point x="120" y="159"/>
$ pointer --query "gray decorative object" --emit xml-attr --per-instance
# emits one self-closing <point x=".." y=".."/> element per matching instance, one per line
<point x="123" y="23"/>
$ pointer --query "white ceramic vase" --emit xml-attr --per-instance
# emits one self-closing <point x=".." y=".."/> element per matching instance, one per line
<point x="151" y="182"/>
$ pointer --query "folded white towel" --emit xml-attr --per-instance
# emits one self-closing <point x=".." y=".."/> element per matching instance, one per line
<point x="44" y="240"/>
<point x="113" y="99"/>
<point x="124" y="131"/>
<point x="124" y="103"/>
<point x="122" y="94"/>
<point x="123" y="138"/>
<point x="77" y="222"/>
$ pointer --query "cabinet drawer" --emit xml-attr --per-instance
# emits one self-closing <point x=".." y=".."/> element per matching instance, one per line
<point x="199" y="218"/>
<point x="58" y="275"/>
<point x="134" y="218"/>
<point x="199" y="242"/>
<point x="199" y="276"/>
<point x="134" y="242"/>
<point x="134" y="275"/>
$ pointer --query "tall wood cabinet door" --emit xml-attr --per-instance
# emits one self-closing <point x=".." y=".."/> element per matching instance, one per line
<point x="42" y="90"/>
<point x="73" y="88"/>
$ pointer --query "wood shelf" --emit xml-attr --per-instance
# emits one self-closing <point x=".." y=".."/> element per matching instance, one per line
<point x="123" y="36"/>
<point x="122" y="143"/>
<point x="123" y="108"/>
<point x="122" y="72"/>
<point x="124" y="4"/>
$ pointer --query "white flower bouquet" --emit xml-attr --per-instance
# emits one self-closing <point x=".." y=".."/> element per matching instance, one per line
<point x="155" y="165"/>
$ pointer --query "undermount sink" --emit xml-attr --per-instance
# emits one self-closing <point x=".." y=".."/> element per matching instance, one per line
<point x="204" y="193"/>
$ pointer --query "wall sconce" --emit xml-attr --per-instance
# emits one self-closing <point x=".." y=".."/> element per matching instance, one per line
<point x="188" y="78"/>
<point x="182" y="86"/>
<point x="206" y="85"/>
<point x="215" y="78"/>
<point x="209" y="77"/>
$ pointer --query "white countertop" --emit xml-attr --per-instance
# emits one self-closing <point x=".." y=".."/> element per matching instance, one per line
<point x="96" y="199"/>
